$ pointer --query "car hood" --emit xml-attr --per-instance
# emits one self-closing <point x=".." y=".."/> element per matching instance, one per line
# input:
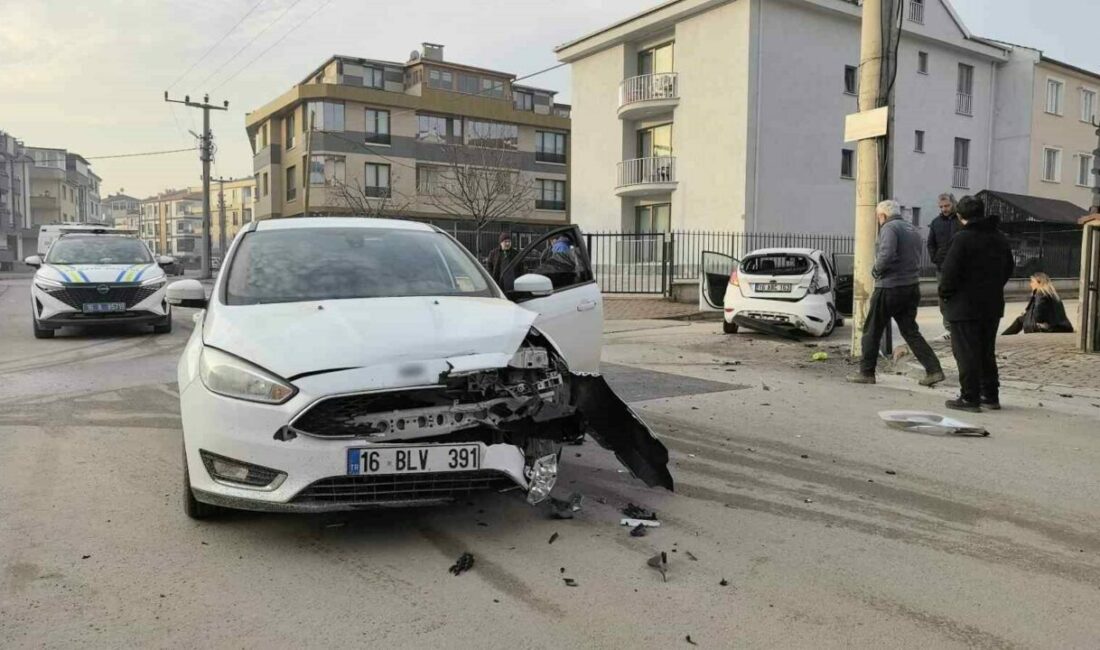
<point x="99" y="273"/>
<point x="297" y="338"/>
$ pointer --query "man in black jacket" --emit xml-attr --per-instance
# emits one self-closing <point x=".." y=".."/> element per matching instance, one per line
<point x="972" y="283"/>
<point x="940" y="233"/>
<point x="500" y="258"/>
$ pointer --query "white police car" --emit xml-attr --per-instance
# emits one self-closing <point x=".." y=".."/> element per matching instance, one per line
<point x="91" y="279"/>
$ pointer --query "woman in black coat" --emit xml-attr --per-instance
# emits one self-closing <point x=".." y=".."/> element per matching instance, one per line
<point x="1044" y="313"/>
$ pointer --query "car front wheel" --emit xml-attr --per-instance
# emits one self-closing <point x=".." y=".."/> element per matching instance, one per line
<point x="729" y="328"/>
<point x="192" y="507"/>
<point x="41" y="332"/>
<point x="164" y="327"/>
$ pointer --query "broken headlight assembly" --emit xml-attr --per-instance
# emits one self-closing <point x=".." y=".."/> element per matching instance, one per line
<point x="229" y="376"/>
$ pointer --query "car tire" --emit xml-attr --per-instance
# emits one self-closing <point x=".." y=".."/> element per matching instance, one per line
<point x="166" y="326"/>
<point x="192" y="507"/>
<point x="729" y="328"/>
<point x="41" y="332"/>
<point x="832" y="322"/>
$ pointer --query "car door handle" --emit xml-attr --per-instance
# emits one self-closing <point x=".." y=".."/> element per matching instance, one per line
<point x="587" y="305"/>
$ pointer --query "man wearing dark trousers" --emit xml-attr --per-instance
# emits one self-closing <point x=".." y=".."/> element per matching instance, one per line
<point x="896" y="296"/>
<point x="975" y="271"/>
<point x="940" y="233"/>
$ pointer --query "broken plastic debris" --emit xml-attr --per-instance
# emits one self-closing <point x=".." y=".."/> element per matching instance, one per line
<point x="691" y="556"/>
<point x="660" y="562"/>
<point x="463" y="563"/>
<point x="724" y="583"/>
<point x="638" y="512"/>
<point x="819" y="356"/>
<point x="569" y="582"/>
<point x="924" y="422"/>
<point x="648" y="523"/>
<point x="552" y="538"/>
<point x="542" y="475"/>
<point x="638" y="531"/>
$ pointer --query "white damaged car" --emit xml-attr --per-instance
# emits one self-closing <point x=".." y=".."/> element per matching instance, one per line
<point x="345" y="363"/>
<point x="778" y="290"/>
<point x="92" y="278"/>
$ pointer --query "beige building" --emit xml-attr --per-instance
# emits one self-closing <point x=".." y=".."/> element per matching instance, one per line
<point x="1044" y="135"/>
<point x="64" y="189"/>
<point x="122" y="211"/>
<point x="171" y="224"/>
<point x="237" y="196"/>
<point x="391" y="133"/>
<point x="17" y="235"/>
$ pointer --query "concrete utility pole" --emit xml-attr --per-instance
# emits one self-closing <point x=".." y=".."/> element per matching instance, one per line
<point x="206" y="154"/>
<point x="309" y="167"/>
<point x="867" y="168"/>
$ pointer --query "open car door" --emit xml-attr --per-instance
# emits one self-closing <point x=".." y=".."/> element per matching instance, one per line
<point x="714" y="277"/>
<point x="844" y="265"/>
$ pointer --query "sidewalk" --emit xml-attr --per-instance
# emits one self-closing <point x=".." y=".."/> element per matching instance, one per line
<point x="645" y="307"/>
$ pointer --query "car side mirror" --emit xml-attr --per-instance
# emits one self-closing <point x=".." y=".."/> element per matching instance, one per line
<point x="533" y="284"/>
<point x="189" y="294"/>
<point x="34" y="261"/>
<point x="165" y="260"/>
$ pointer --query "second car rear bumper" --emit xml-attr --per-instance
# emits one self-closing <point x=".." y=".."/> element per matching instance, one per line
<point x="810" y="315"/>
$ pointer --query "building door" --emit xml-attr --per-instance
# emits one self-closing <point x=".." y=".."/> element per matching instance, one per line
<point x="655" y="141"/>
<point x="655" y="218"/>
<point x="655" y="60"/>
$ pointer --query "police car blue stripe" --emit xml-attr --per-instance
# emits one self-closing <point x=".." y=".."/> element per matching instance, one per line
<point x="138" y="276"/>
<point x="82" y="275"/>
<point x="122" y="273"/>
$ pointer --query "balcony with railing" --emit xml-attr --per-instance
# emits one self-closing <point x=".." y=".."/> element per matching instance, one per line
<point x="964" y="103"/>
<point x="641" y="176"/>
<point x="377" y="191"/>
<point x="648" y="94"/>
<point x="549" y="204"/>
<point x="916" y="11"/>
<point x="961" y="178"/>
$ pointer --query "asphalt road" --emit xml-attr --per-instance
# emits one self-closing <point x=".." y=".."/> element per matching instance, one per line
<point x="828" y="529"/>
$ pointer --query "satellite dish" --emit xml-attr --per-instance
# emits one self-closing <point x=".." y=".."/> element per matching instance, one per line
<point x="414" y="55"/>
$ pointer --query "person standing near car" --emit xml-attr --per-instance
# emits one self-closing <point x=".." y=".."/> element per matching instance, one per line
<point x="941" y="232"/>
<point x="500" y="258"/>
<point x="896" y="296"/>
<point x="972" y="289"/>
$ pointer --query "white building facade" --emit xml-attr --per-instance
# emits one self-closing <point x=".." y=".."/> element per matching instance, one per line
<point x="728" y="115"/>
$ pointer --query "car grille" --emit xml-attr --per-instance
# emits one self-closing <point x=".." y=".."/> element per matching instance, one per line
<point x="368" y="490"/>
<point x="77" y="296"/>
<point x="336" y="417"/>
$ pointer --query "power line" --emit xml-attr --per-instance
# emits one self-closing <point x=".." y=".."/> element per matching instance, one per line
<point x="246" y="45"/>
<point x="143" y="153"/>
<point x="215" y="45"/>
<point x="268" y="49"/>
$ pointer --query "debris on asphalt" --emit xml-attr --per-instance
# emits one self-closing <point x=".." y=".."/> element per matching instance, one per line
<point x="765" y="386"/>
<point x="508" y="489"/>
<point x="464" y="563"/>
<point x="691" y="556"/>
<point x="1066" y="395"/>
<point x="660" y="562"/>
<point x="638" y="512"/>
<point x="819" y="356"/>
<point x="808" y="500"/>
<point x="723" y="583"/>
<point x="891" y="472"/>
<point x="923" y="422"/>
<point x="638" y="531"/>
<point x="805" y="455"/>
<point x="85" y="557"/>
<point x="482" y="524"/>
<point x="564" y="508"/>
<point x="688" y="639"/>
<point x="562" y="570"/>
<point x="552" y="538"/>
<point x="634" y="523"/>
<point x="336" y="524"/>
<point x="569" y="582"/>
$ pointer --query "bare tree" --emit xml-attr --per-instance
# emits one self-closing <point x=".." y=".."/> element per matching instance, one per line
<point x="481" y="184"/>
<point x="368" y="201"/>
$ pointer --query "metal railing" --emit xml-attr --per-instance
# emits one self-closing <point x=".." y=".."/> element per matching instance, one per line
<point x="545" y="156"/>
<point x="916" y="11"/>
<point x="963" y="103"/>
<point x="642" y="171"/>
<point x="377" y="192"/>
<point x="648" y="87"/>
<point x="545" y="204"/>
<point x="377" y="138"/>
<point x="960" y="179"/>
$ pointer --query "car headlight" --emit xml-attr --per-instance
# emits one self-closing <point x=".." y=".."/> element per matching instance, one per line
<point x="155" y="283"/>
<point x="227" y="375"/>
<point x="48" y="285"/>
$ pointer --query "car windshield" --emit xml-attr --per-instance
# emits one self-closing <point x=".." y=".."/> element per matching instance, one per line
<point x="332" y="263"/>
<point x="776" y="264"/>
<point x="98" y="249"/>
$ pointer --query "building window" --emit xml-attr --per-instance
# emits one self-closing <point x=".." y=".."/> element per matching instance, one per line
<point x="429" y="178"/>
<point x="1055" y="90"/>
<point x="376" y="180"/>
<point x="550" y="147"/>
<point x="263" y="135"/>
<point x="922" y="62"/>
<point x="918" y="141"/>
<point x="378" y="126"/>
<point x="327" y="116"/>
<point x="655" y="60"/>
<point x="374" y="77"/>
<point x="916" y="11"/>
<point x="498" y="135"/>
<point x="290" y="130"/>
<point x="847" y="163"/>
<point x="652" y="219"/>
<point x="961" y="177"/>
<point x="523" y="101"/>
<point x="916" y="216"/>
<point x="850" y="79"/>
<point x="1052" y="165"/>
<point x="441" y="79"/>
<point x="655" y="142"/>
<point x="326" y="170"/>
<point x="1088" y="105"/>
<point x="550" y="196"/>
<point x="291" y="183"/>
<point x="492" y="88"/>
<point x="965" y="89"/>
<point x="1085" y="176"/>
<point x="434" y="128"/>
<point x="265" y="183"/>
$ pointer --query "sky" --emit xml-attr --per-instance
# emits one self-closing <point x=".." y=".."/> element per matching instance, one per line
<point x="90" y="76"/>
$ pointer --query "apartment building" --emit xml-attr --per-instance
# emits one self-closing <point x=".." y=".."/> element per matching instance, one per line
<point x="392" y="134"/>
<point x="729" y="115"/>
<point x="171" y="224"/>
<point x="64" y="189"/>
<point x="1045" y="133"/>
<point x="122" y="210"/>
<point x="235" y="198"/>
<point x="17" y="235"/>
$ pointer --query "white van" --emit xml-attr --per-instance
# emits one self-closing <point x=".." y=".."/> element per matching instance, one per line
<point x="49" y="233"/>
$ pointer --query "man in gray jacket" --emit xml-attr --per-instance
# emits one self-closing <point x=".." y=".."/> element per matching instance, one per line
<point x="896" y="295"/>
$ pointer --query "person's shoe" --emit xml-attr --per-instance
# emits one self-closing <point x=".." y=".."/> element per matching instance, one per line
<point x="861" y="379"/>
<point x="991" y="404"/>
<point x="932" y="378"/>
<point x="959" y="404"/>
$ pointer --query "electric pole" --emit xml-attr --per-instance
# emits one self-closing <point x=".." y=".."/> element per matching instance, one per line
<point x="206" y="154"/>
<point x="221" y="217"/>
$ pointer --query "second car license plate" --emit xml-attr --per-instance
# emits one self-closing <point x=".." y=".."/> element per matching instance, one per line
<point x="774" y="287"/>
<point x="413" y="460"/>
<point x="104" y="307"/>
